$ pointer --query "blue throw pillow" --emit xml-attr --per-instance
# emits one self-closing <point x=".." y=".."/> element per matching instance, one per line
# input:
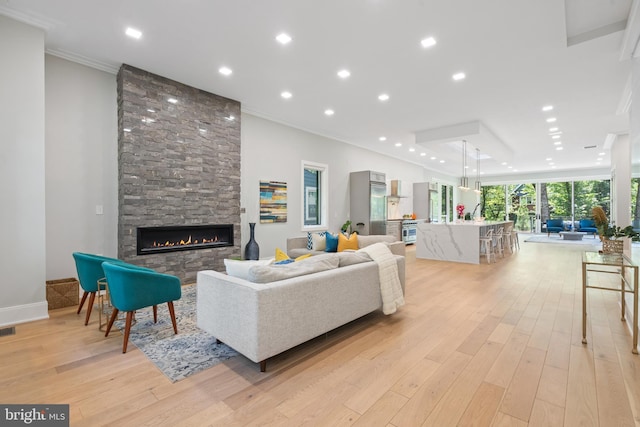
<point x="332" y="242"/>
<point x="284" y="261"/>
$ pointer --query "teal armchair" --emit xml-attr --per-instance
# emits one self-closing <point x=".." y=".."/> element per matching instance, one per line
<point x="134" y="288"/>
<point x="89" y="269"/>
<point x="554" y="226"/>
<point x="588" y="226"/>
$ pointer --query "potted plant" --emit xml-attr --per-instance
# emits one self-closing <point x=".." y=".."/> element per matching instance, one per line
<point x="346" y="228"/>
<point x="612" y="236"/>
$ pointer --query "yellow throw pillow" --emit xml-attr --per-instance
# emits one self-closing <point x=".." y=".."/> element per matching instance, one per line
<point x="350" y="243"/>
<point x="282" y="256"/>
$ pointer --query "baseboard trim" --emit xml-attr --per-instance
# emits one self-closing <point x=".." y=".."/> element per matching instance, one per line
<point x="23" y="313"/>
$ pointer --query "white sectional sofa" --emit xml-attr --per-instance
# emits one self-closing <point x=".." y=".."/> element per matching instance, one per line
<point x="261" y="320"/>
<point x="297" y="246"/>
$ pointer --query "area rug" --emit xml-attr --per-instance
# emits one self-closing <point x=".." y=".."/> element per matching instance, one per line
<point x="554" y="238"/>
<point x="177" y="356"/>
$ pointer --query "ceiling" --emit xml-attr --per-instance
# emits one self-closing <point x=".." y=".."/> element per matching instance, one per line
<point x="518" y="56"/>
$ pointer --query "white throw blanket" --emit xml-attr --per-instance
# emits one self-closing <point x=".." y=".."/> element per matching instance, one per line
<point x="390" y="288"/>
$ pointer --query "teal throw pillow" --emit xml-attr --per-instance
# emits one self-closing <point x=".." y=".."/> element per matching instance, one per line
<point x="332" y="242"/>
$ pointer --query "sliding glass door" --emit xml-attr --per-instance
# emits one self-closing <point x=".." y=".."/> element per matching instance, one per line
<point x="521" y="199"/>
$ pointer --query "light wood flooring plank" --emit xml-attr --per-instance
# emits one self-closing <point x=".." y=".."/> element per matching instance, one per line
<point x="400" y="370"/>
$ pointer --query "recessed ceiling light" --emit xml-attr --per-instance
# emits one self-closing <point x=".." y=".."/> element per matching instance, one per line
<point x="383" y="97"/>
<point x="172" y="100"/>
<point x="441" y="161"/>
<point x="559" y="148"/>
<point x="557" y="142"/>
<point x="225" y="71"/>
<point x="459" y="76"/>
<point x="133" y="33"/>
<point x="547" y="108"/>
<point x="398" y="144"/>
<point x="503" y="163"/>
<point x="601" y="154"/>
<point x="481" y="172"/>
<point x="551" y="119"/>
<point x="382" y="138"/>
<point x="283" y="38"/>
<point x="509" y="167"/>
<point x="433" y="157"/>
<point x="329" y="112"/>
<point x="599" y="159"/>
<point x="423" y="154"/>
<point x="343" y="74"/>
<point x="548" y="159"/>
<point x="428" y="42"/>
<point x="553" y="129"/>
<point x="553" y="167"/>
<point x="555" y="136"/>
<point x="551" y="163"/>
<point x="286" y="95"/>
<point x="412" y="149"/>
<point x="515" y="170"/>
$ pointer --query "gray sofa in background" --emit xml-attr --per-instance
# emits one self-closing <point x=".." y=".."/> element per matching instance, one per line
<point x="261" y="320"/>
<point x="297" y="246"/>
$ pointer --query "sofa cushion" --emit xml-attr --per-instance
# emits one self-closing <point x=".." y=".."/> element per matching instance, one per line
<point x="240" y="269"/>
<point x="332" y="242"/>
<point x="345" y="242"/>
<point x="350" y="258"/>
<point x="364" y="241"/>
<point x="274" y="273"/>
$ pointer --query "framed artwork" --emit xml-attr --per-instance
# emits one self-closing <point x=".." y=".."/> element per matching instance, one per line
<point x="273" y="201"/>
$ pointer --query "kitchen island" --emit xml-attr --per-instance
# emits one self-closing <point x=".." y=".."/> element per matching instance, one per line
<point x="457" y="242"/>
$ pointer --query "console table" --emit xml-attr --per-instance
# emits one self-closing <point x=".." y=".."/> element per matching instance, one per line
<point x="611" y="263"/>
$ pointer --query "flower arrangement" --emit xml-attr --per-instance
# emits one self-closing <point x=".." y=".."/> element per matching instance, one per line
<point x="460" y="210"/>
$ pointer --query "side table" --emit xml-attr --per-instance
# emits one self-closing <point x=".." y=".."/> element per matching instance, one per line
<point x="598" y="262"/>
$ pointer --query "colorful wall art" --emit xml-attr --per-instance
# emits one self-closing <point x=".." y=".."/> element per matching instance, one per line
<point x="273" y="201"/>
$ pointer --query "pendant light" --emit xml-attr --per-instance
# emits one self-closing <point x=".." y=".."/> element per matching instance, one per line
<point x="478" y="186"/>
<point x="464" y="181"/>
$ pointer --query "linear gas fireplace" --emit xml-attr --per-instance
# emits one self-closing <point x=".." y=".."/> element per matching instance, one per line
<point x="183" y="238"/>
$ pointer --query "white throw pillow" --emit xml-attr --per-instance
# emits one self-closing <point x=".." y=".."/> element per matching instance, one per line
<point x="319" y="242"/>
<point x="240" y="269"/>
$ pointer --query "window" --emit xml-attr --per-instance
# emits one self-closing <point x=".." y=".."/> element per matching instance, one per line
<point x="314" y="195"/>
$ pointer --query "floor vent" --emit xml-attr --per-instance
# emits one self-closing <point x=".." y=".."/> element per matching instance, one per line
<point x="8" y="331"/>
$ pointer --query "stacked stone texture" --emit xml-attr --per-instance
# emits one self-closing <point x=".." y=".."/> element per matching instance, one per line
<point x="178" y="165"/>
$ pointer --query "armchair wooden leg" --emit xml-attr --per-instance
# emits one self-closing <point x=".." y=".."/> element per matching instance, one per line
<point x="263" y="366"/>
<point x="84" y="298"/>
<point x="91" y="300"/>
<point x="114" y="315"/>
<point x="155" y="314"/>
<point x="127" y="329"/>
<point x="173" y="316"/>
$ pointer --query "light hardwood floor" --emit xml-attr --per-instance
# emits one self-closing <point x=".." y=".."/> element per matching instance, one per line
<point x="482" y="345"/>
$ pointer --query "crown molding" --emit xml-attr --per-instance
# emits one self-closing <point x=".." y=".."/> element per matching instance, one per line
<point x="84" y="60"/>
<point x="32" y="19"/>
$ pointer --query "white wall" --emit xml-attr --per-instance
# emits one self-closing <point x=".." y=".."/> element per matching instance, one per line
<point x="81" y="163"/>
<point x="22" y="180"/>
<point x="621" y="191"/>
<point x="271" y="151"/>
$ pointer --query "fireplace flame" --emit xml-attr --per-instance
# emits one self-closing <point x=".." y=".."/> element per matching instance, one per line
<point x="182" y="242"/>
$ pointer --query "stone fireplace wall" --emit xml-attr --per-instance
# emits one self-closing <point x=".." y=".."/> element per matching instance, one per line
<point x="178" y="164"/>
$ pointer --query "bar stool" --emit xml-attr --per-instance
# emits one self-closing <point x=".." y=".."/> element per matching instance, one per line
<point x="508" y="238"/>
<point x="514" y="238"/>
<point x="486" y="246"/>
<point x="498" y="241"/>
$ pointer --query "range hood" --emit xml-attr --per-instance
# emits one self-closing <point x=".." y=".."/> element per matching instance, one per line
<point x="396" y="190"/>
